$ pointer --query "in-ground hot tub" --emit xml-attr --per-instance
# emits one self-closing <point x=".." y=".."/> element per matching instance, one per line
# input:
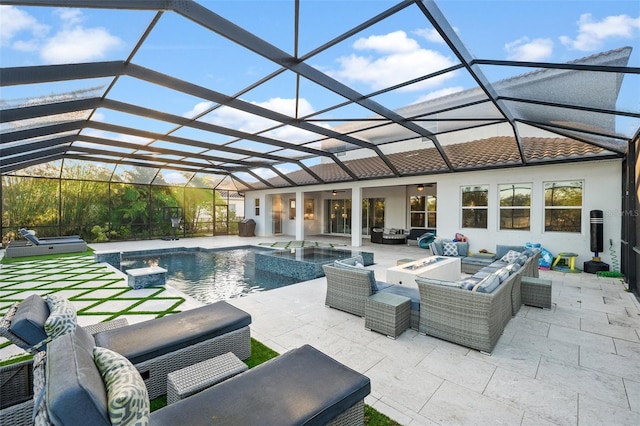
<point x="305" y="263"/>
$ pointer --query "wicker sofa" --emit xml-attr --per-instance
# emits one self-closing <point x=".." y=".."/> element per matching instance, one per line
<point x="388" y="236"/>
<point x="462" y="313"/>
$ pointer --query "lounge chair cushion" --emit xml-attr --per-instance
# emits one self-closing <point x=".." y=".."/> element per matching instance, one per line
<point x="150" y="339"/>
<point x="301" y="386"/>
<point x="128" y="400"/>
<point x="488" y="284"/>
<point x="75" y="393"/>
<point x="28" y="322"/>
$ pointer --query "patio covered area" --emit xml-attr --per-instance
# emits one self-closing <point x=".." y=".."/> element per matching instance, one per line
<point x="574" y="364"/>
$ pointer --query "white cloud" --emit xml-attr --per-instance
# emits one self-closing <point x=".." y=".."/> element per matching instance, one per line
<point x="525" y="49"/>
<point x="430" y="34"/>
<point x="78" y="45"/>
<point x="397" y="59"/>
<point x="73" y="42"/>
<point x="439" y="94"/>
<point x="394" y="42"/>
<point x="70" y="16"/>
<point x="592" y="34"/>
<point x="236" y="119"/>
<point x="198" y="109"/>
<point x="15" y="21"/>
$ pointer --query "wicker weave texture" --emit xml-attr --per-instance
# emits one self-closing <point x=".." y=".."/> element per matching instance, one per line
<point x="104" y="326"/>
<point x="388" y="314"/>
<point x="157" y="369"/>
<point x="190" y="380"/>
<point x="17" y="415"/>
<point x="347" y="290"/>
<point x="353" y="416"/>
<point x="474" y="320"/>
<point x="16" y="383"/>
<point x="536" y="292"/>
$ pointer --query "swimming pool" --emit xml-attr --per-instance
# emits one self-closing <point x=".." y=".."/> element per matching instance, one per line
<point x="210" y="275"/>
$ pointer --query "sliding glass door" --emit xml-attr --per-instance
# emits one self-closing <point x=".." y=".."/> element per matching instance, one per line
<point x="338" y="215"/>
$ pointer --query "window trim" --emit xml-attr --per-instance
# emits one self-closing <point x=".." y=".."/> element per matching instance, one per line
<point x="484" y="207"/>
<point x="501" y="207"/>
<point x="545" y="207"/>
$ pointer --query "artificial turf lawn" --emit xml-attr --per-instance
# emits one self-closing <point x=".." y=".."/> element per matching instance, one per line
<point x="259" y="352"/>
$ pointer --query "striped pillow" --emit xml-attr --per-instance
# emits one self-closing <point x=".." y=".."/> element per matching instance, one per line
<point x="127" y="396"/>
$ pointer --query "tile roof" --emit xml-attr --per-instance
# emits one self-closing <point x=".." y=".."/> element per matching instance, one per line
<point x="500" y="151"/>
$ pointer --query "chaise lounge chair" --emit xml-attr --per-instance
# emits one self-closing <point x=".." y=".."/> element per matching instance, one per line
<point x="156" y="347"/>
<point x="34" y="246"/>
<point x="301" y="387"/>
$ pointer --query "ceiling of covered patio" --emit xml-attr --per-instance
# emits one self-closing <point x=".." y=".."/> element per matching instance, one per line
<point x="294" y="106"/>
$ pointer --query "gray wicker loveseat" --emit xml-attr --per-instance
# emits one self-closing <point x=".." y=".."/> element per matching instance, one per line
<point x="81" y="384"/>
<point x="474" y="311"/>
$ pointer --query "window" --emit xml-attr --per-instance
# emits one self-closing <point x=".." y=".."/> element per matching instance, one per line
<point x="292" y="209"/>
<point x="475" y="202"/>
<point x="563" y="206"/>
<point x="423" y="211"/>
<point x="515" y="206"/>
<point x="309" y="208"/>
<point x="257" y="206"/>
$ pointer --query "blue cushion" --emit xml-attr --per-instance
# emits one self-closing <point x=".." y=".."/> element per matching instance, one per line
<point x="463" y="248"/>
<point x="75" y="390"/>
<point x="28" y="322"/>
<point x="356" y="263"/>
<point x="410" y="292"/>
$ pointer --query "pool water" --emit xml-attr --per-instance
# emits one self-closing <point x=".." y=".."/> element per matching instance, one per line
<point x="211" y="275"/>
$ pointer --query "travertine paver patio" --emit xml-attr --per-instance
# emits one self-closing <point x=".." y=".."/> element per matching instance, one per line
<point x="576" y="364"/>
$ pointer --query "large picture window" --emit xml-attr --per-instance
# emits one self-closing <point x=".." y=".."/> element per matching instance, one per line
<point x="563" y="206"/>
<point x="515" y="206"/>
<point x="475" y="204"/>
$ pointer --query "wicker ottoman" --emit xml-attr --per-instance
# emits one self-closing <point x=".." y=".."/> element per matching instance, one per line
<point x="387" y="313"/>
<point x="190" y="380"/>
<point x="536" y="292"/>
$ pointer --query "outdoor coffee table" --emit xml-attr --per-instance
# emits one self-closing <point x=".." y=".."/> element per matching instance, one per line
<point x="437" y="267"/>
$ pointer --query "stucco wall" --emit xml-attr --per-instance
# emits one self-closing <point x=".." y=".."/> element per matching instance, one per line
<point x="601" y="191"/>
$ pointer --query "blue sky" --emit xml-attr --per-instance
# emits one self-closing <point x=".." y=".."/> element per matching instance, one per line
<point x="395" y="50"/>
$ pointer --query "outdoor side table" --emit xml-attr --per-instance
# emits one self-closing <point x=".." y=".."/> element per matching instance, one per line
<point x="536" y="292"/>
<point x="387" y="313"/>
<point x="197" y="377"/>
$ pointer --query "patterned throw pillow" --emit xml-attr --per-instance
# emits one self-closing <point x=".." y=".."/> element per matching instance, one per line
<point x="510" y="257"/>
<point x="62" y="317"/>
<point x="127" y="396"/>
<point x="449" y="249"/>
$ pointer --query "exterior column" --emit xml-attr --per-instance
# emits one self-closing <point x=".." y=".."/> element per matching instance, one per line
<point x="299" y="215"/>
<point x="356" y="216"/>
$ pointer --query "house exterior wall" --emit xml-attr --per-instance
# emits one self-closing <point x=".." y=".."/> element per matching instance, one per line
<point x="601" y="191"/>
